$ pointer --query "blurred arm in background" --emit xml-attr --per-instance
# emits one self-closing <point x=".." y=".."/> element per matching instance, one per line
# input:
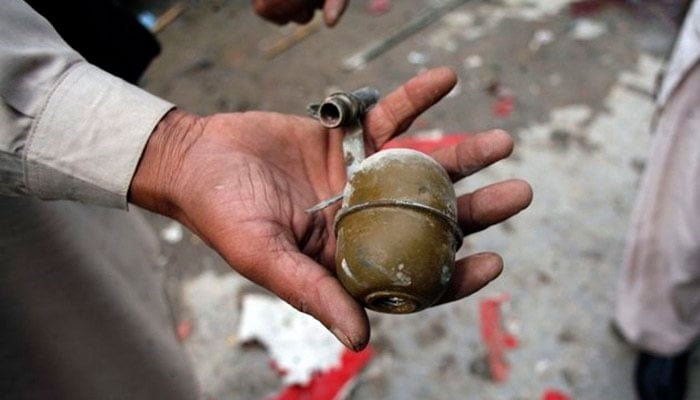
<point x="300" y="11"/>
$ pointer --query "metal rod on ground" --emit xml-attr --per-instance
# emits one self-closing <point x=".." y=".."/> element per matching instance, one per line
<point x="361" y="58"/>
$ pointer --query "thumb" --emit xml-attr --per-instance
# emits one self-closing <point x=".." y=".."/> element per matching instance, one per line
<point x="312" y="289"/>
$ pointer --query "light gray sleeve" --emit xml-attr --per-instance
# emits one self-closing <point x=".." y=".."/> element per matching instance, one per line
<point x="686" y="53"/>
<point x="68" y="130"/>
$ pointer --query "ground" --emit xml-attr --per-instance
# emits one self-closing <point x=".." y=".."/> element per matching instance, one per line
<point x="573" y="85"/>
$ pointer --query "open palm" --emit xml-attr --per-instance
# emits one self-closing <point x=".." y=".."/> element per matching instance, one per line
<point x="243" y="181"/>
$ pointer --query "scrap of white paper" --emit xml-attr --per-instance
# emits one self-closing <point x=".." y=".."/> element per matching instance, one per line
<point x="297" y="343"/>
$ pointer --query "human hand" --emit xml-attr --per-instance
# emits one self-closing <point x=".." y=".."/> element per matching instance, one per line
<point x="243" y="181"/>
<point x="300" y="11"/>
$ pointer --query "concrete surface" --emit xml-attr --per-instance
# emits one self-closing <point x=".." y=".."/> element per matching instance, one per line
<point x="583" y="88"/>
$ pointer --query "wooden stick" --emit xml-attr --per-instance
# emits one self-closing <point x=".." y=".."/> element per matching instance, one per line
<point x="292" y="39"/>
<point x="168" y="17"/>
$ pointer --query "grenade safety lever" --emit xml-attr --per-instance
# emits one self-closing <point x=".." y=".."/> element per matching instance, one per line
<point x="345" y="110"/>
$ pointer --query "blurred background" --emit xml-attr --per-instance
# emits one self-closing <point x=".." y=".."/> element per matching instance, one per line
<point x="572" y="81"/>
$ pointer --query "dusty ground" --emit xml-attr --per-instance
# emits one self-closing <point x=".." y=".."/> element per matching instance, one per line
<point x="583" y="102"/>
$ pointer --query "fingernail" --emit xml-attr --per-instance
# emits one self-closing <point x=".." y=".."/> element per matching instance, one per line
<point x="332" y="12"/>
<point x="343" y="338"/>
<point x="357" y="347"/>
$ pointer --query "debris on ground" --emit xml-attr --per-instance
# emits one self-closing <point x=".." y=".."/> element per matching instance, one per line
<point x="505" y="98"/>
<point x="492" y="79"/>
<point x="588" y="29"/>
<point x="312" y="362"/>
<point x="172" y="233"/>
<point x="299" y="345"/>
<point x="542" y="366"/>
<point x="540" y="38"/>
<point x="417" y="58"/>
<point x="334" y="384"/>
<point x="360" y="59"/>
<point x="473" y="61"/>
<point x="288" y="41"/>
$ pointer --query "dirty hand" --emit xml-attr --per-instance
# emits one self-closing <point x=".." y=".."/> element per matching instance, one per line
<point x="242" y="181"/>
<point x="300" y="11"/>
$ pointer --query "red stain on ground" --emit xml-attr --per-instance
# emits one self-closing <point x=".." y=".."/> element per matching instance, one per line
<point x="378" y="7"/>
<point x="588" y="7"/>
<point x="495" y="338"/>
<point x="552" y="394"/>
<point x="504" y="106"/>
<point x="329" y="385"/>
<point x="184" y="330"/>
<point x="425" y="144"/>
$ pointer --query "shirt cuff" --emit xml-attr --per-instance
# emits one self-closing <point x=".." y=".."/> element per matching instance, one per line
<point x="87" y="141"/>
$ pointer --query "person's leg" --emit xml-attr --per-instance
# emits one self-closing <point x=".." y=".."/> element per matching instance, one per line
<point x="661" y="377"/>
<point x="83" y="313"/>
<point x="658" y="306"/>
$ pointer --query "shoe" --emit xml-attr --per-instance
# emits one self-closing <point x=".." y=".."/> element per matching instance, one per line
<point x="661" y="377"/>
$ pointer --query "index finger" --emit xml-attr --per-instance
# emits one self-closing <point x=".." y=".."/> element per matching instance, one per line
<point x="395" y="113"/>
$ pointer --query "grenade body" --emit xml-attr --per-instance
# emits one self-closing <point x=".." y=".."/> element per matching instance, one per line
<point x="397" y="233"/>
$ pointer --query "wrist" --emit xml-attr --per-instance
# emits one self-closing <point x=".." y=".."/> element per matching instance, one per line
<point x="156" y="180"/>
